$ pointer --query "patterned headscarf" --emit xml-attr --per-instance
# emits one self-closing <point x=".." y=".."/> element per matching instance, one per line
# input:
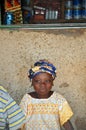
<point x="42" y="66"/>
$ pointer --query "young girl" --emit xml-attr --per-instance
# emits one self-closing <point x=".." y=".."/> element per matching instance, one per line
<point x="45" y="109"/>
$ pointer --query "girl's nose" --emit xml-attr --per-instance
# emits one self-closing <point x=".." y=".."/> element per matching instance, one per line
<point x="43" y="83"/>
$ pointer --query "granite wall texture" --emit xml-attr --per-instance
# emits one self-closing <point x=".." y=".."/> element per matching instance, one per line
<point x="19" y="49"/>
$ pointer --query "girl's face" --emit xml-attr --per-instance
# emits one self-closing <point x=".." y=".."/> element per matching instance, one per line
<point x="42" y="83"/>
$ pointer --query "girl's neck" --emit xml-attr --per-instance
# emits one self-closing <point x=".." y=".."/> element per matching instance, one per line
<point x="35" y="95"/>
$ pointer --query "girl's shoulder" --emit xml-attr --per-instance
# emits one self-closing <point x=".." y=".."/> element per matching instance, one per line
<point x="59" y="97"/>
<point x="29" y="96"/>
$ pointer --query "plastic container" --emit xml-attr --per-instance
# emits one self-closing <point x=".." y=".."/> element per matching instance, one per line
<point x="8" y="18"/>
<point x="77" y="13"/>
<point x="69" y="4"/>
<point x="68" y="14"/>
<point x="84" y="4"/>
<point x="76" y="4"/>
<point x="84" y="13"/>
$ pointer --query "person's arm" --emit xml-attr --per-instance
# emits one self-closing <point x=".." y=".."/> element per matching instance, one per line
<point x="68" y="126"/>
<point x="11" y="116"/>
<point x="15" y="115"/>
<point x="65" y="113"/>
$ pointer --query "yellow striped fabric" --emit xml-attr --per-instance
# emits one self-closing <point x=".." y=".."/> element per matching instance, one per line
<point x="11" y="115"/>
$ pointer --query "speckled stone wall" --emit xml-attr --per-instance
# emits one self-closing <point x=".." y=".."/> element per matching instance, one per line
<point x="19" y="49"/>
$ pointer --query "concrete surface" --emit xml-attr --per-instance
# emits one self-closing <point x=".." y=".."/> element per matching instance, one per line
<point x="19" y="49"/>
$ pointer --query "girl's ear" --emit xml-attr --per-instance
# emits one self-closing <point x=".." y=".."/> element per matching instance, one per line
<point x="52" y="83"/>
<point x="32" y="82"/>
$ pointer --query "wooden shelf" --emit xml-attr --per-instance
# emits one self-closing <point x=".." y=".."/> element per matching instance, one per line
<point x="51" y="4"/>
<point x="56" y="21"/>
<point x="35" y="12"/>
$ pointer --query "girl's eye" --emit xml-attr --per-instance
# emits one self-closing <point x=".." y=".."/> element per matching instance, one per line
<point x="48" y="81"/>
<point x="37" y="81"/>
